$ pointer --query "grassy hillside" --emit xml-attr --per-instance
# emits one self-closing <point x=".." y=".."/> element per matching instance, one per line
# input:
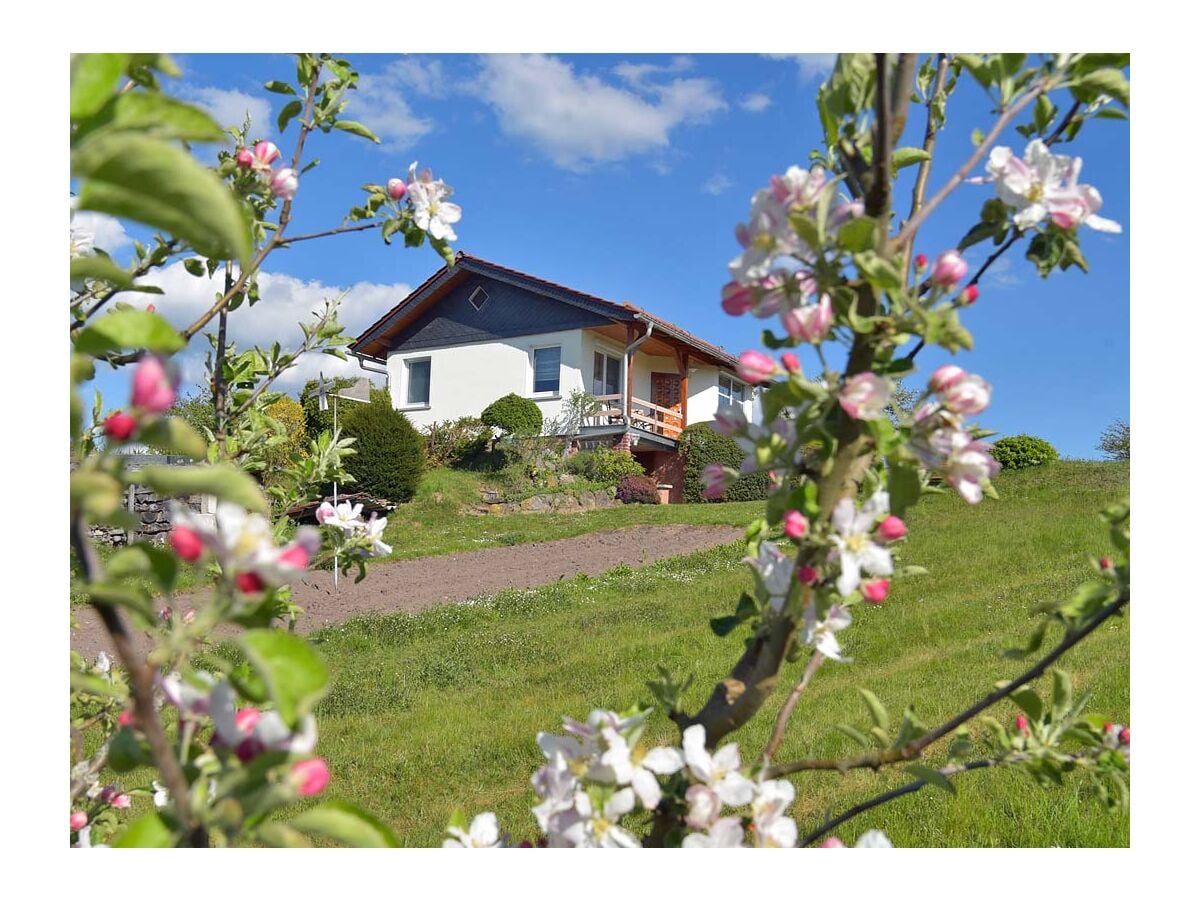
<point x="439" y="710"/>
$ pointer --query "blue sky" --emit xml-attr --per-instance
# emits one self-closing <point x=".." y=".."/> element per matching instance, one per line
<point x="624" y="176"/>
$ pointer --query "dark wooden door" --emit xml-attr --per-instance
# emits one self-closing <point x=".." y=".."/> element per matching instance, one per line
<point x="665" y="391"/>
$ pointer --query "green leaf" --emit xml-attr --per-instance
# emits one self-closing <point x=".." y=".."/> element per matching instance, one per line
<point x="139" y="177"/>
<point x="724" y="625"/>
<point x="173" y="435"/>
<point x="1061" y="697"/>
<point x="150" y="830"/>
<point x="165" y="117"/>
<point x="878" y="271"/>
<point x="907" y="156"/>
<point x="1032" y="645"/>
<point x="1106" y="81"/>
<point x="277" y="834"/>
<point x="289" y="112"/>
<point x="94" y="77"/>
<point x="857" y="235"/>
<point x="126" y="751"/>
<point x="99" y="268"/>
<point x="95" y="494"/>
<point x="931" y="776"/>
<point x="223" y="480"/>
<point x="345" y="824"/>
<point x="129" y="329"/>
<point x="854" y="734"/>
<point x="356" y="128"/>
<point x="279" y="87"/>
<point x="1029" y="701"/>
<point x="97" y="686"/>
<point x="879" y="713"/>
<point x="294" y="675"/>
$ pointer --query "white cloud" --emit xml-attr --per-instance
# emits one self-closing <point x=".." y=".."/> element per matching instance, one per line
<point x="107" y="233"/>
<point x="811" y="65"/>
<point x="285" y="302"/>
<point x="381" y="102"/>
<point x="755" y="102"/>
<point x="637" y="74"/>
<point x="229" y="107"/>
<point x="1001" y="274"/>
<point x="717" y="184"/>
<point x="579" y="120"/>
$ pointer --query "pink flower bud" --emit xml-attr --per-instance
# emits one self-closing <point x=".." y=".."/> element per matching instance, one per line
<point x="807" y="575"/>
<point x="79" y="820"/>
<point x="245" y="158"/>
<point x="186" y="543"/>
<point x="971" y="294"/>
<point x="122" y="801"/>
<point x="189" y="617"/>
<point x="1108" y="727"/>
<point x="948" y="269"/>
<point x="921" y="261"/>
<point x="832" y="843"/>
<point x="809" y="323"/>
<point x="153" y="385"/>
<point x="150" y="307"/>
<point x="284" y="183"/>
<point x="716" y="479"/>
<point x="968" y="397"/>
<point x="249" y="582"/>
<point x="946" y="377"/>
<point x="791" y="362"/>
<point x="1123" y="737"/>
<point x="865" y="396"/>
<point x="795" y="525"/>
<point x="755" y="367"/>
<point x="876" y="591"/>
<point x="310" y="776"/>
<point x="295" y="556"/>
<point x="120" y="426"/>
<point x="892" y="528"/>
<point x="737" y="299"/>
<point x="125" y="719"/>
<point x="265" y="153"/>
<point x="1022" y="725"/>
<point x="325" y="511"/>
<point x="1105" y="563"/>
<point x="396" y="188"/>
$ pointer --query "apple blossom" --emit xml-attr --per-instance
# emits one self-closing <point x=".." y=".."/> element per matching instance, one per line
<point x="249" y="582"/>
<point x="737" y="299"/>
<point x="865" y="396"/>
<point x="187" y="543"/>
<point x="767" y="235"/>
<point x="161" y="796"/>
<point x="821" y="635"/>
<point x="309" y="776"/>
<point x="125" y="718"/>
<point x="704" y="807"/>
<point x="483" y="833"/>
<point x="790" y="361"/>
<point x="396" y="188"/>
<point x="769" y="826"/>
<point x="873" y="840"/>
<point x="154" y="385"/>
<point x="284" y="183"/>
<point x="775" y="571"/>
<point x="431" y="211"/>
<point x="948" y="269"/>
<point x="920" y="262"/>
<point x="970" y="294"/>
<point x="717" y="479"/>
<point x="795" y="525"/>
<point x="875" y="591"/>
<point x="725" y="833"/>
<point x="809" y="323"/>
<point x="245" y="157"/>
<point x="807" y="575"/>
<point x="854" y="549"/>
<point x="120" y="426"/>
<point x="798" y="188"/>
<point x="1045" y="184"/>
<point x="597" y="824"/>
<point x="720" y="770"/>
<point x="265" y="154"/>
<point x="832" y="843"/>
<point x="190" y="696"/>
<point x="755" y="367"/>
<point x="892" y="528"/>
<point x="968" y="396"/>
<point x="79" y="819"/>
<point x="844" y="212"/>
<point x="945" y="377"/>
<point x="1022" y="724"/>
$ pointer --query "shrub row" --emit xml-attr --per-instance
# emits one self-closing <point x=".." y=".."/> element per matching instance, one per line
<point x="701" y="446"/>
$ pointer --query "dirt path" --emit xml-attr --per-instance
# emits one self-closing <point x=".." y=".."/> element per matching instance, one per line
<point x="416" y="584"/>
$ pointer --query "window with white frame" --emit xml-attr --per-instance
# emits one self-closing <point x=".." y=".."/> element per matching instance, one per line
<point x="606" y="374"/>
<point x="546" y="364"/>
<point x="729" y="391"/>
<point x="417" y="381"/>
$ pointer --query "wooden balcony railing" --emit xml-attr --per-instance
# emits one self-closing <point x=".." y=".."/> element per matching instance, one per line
<point x="642" y="414"/>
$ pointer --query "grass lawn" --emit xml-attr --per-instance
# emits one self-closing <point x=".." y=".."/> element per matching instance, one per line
<point x="438" y="711"/>
<point x="435" y="521"/>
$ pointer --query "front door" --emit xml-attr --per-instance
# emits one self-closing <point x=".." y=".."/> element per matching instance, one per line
<point x="665" y="391"/>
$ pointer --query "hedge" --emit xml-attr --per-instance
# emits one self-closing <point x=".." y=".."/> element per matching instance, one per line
<point x="701" y="446"/>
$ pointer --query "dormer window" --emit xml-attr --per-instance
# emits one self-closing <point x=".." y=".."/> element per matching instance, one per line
<point x="478" y="297"/>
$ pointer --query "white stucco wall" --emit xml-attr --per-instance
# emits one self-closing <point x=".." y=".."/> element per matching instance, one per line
<point x="464" y="379"/>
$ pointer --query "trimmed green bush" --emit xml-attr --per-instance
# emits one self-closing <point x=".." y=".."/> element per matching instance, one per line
<point x="604" y="465"/>
<point x="518" y="416"/>
<point x="1022" y="451"/>
<point x="638" y="489"/>
<point x="701" y="446"/>
<point x="389" y="452"/>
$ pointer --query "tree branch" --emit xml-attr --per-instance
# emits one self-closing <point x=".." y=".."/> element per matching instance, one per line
<point x="923" y="170"/>
<point x="785" y="713"/>
<point x="342" y="229"/>
<point x="914" y="748"/>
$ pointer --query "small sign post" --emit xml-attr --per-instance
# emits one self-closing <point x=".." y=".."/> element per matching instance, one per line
<point x="359" y="392"/>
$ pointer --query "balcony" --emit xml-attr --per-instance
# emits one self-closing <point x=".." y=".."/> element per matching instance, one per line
<point x="641" y="414"/>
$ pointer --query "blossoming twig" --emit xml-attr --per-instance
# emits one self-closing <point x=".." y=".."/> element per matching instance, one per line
<point x="931" y="131"/>
<point x="789" y="705"/>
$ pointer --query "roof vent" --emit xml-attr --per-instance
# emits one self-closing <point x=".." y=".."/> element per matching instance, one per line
<point x="478" y="297"/>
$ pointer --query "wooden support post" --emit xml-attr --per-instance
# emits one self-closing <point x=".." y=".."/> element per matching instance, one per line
<point x="681" y="361"/>
<point x="630" y="337"/>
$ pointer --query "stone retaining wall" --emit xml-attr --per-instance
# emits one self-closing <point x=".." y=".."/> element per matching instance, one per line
<point x="562" y="501"/>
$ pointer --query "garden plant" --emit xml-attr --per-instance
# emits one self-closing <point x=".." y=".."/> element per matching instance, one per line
<point x="829" y="249"/>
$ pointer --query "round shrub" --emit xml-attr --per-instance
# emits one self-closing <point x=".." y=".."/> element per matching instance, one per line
<point x="1022" y="451"/>
<point x="638" y="489"/>
<point x="701" y="446"/>
<point x="514" y="415"/>
<point x="389" y="451"/>
<point x="604" y="465"/>
<point x="294" y="444"/>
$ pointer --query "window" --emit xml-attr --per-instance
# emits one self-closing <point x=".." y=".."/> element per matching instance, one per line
<point x="729" y="391"/>
<point x="478" y="297"/>
<point x="418" y="382"/>
<point x="545" y="369"/>
<point x="606" y="375"/>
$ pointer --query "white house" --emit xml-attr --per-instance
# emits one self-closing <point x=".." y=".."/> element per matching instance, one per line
<point x="477" y="331"/>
